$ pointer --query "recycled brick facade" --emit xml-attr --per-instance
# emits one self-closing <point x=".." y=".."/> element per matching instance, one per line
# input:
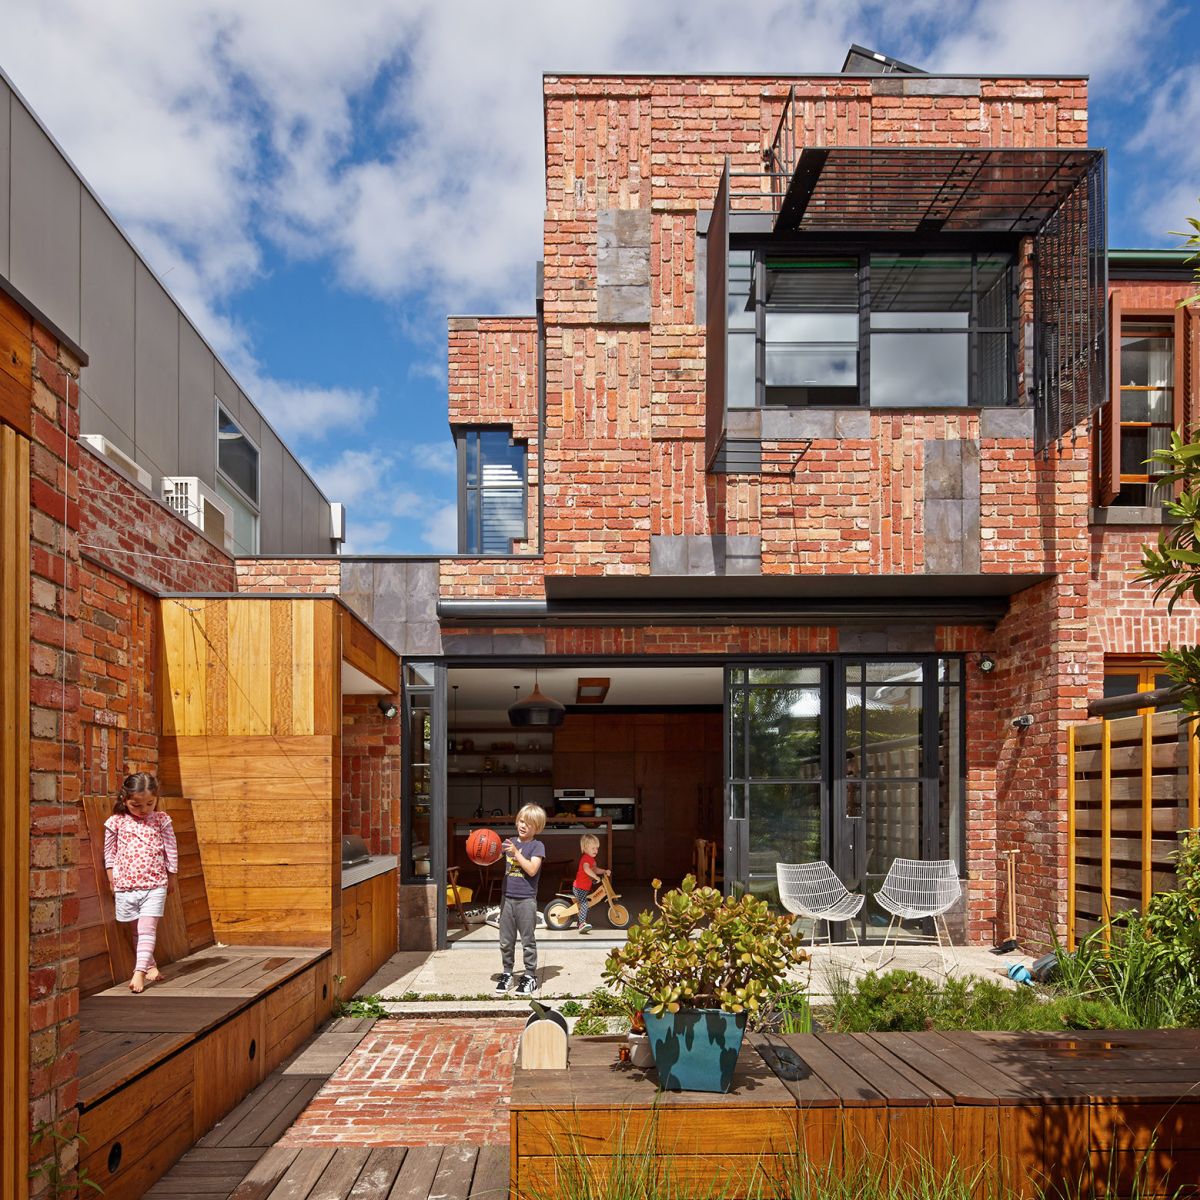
<point x="319" y="575"/>
<point x="370" y="774"/>
<point x="54" y="756"/>
<point x="632" y="168"/>
<point x="493" y="380"/>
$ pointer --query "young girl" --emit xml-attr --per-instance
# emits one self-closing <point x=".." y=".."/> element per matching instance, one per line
<point x="518" y="905"/>
<point x="142" y="860"/>
<point x="581" y="889"/>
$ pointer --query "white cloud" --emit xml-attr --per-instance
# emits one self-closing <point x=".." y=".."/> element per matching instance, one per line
<point x="367" y="537"/>
<point x="440" y="531"/>
<point x="353" y="475"/>
<point x="437" y="457"/>
<point x="1168" y="190"/>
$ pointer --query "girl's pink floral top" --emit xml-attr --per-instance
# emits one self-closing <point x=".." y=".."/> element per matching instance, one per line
<point x="140" y="851"/>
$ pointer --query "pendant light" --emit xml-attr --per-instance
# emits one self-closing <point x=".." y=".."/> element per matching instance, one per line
<point x="536" y="710"/>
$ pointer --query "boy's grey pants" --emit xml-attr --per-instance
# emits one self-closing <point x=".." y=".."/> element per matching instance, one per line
<point x="518" y="917"/>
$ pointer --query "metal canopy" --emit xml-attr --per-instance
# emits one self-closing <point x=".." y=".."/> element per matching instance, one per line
<point x="930" y="189"/>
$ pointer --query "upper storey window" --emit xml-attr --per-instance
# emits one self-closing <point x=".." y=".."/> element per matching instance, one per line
<point x="491" y="499"/>
<point x="1147" y="405"/>
<point x="912" y="329"/>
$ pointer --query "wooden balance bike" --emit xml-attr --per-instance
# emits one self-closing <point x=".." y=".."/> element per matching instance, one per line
<point x="560" y="911"/>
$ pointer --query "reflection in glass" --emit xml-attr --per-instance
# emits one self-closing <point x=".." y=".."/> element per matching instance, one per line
<point x="909" y="369"/>
<point x="784" y="733"/>
<point x="785" y="825"/>
<point x="893" y="822"/>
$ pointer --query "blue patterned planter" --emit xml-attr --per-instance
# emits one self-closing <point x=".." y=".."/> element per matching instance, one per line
<point x="695" y="1049"/>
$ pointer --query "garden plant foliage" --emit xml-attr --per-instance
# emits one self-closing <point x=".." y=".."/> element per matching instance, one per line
<point x="705" y="950"/>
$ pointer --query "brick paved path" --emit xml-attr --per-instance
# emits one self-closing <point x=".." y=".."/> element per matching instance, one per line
<point x="417" y="1083"/>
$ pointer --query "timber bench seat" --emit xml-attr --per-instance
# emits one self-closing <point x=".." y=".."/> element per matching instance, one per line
<point x="158" y="1070"/>
<point x="1045" y="1110"/>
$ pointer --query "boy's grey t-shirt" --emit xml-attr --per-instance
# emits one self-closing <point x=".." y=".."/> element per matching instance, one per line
<point x="518" y="885"/>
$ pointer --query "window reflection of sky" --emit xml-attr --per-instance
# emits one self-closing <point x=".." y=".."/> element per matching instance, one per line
<point x="918" y="368"/>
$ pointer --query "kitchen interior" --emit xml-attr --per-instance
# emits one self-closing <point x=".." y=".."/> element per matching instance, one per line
<point x="633" y="755"/>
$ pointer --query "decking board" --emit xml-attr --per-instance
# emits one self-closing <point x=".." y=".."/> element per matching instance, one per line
<point x="1044" y="1108"/>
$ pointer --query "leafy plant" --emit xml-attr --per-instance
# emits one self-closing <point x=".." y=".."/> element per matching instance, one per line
<point x="363" y="1006"/>
<point x="61" y="1171"/>
<point x="705" y="950"/>
<point x="1147" y="967"/>
<point x="902" y="1001"/>
<point x="571" y="1008"/>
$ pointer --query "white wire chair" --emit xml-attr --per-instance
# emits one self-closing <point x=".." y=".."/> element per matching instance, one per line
<point x="812" y="890"/>
<point x="915" y="889"/>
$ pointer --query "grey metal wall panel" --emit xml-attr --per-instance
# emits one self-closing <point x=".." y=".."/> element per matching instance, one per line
<point x="250" y="421"/>
<point x="107" y="281"/>
<point x="5" y="155"/>
<point x="312" y="517"/>
<point x="43" y="223"/>
<point x="293" y="501"/>
<point x="156" y="373"/>
<point x="270" y="485"/>
<point x="228" y="393"/>
<point x="197" y="408"/>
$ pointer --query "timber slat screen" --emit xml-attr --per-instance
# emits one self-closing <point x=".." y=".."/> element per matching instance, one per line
<point x="1132" y="790"/>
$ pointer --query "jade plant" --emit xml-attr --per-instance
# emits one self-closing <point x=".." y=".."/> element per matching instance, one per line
<point x="705" y="950"/>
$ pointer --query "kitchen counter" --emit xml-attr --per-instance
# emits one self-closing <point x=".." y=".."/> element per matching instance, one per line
<point x="377" y="864"/>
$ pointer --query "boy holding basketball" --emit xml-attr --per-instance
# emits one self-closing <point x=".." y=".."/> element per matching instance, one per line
<point x="518" y="906"/>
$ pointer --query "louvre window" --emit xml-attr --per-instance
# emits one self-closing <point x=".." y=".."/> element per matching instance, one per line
<point x="491" y="491"/>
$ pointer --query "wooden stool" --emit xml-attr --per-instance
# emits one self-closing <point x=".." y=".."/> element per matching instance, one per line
<point x="457" y="896"/>
<point x="489" y="880"/>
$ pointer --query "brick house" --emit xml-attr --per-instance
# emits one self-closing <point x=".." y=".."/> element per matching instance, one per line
<point x="808" y="464"/>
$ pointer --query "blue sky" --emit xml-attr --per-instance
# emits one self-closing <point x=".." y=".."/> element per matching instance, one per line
<point x="320" y="187"/>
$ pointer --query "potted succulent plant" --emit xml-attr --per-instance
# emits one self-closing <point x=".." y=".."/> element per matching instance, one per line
<point x="705" y="962"/>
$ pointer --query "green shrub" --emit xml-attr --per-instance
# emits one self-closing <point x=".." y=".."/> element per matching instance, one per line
<point x="1146" y="967"/>
<point x="902" y="1001"/>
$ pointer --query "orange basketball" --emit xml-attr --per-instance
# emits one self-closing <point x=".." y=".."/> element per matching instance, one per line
<point x="483" y="846"/>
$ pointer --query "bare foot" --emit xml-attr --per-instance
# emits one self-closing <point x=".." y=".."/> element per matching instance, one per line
<point x="138" y="983"/>
<point x="153" y="975"/>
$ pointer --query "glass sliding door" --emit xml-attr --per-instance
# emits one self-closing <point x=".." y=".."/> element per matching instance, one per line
<point x="857" y="761"/>
<point x="423" y="785"/>
<point x="778" y="792"/>
<point x="901" y="780"/>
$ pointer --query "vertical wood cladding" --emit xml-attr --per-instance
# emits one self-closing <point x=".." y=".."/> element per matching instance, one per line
<point x="250" y="701"/>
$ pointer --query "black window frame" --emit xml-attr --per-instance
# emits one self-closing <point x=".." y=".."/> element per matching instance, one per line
<point x="224" y="417"/>
<point x="764" y="250"/>
<point x="470" y="532"/>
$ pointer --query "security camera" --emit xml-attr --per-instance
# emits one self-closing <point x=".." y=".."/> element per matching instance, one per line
<point x="1023" y="721"/>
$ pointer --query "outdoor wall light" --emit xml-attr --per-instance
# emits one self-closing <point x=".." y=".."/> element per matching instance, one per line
<point x="1023" y="721"/>
<point x="986" y="663"/>
<point x="388" y="709"/>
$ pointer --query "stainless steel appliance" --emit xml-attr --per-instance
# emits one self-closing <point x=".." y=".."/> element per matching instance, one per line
<point x="567" y="801"/>
<point x="621" y="809"/>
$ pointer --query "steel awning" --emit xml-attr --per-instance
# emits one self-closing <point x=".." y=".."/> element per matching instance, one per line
<point x="930" y="189"/>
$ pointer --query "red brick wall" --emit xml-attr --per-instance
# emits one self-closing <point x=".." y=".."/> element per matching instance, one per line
<point x="321" y="575"/>
<point x="625" y="408"/>
<point x="370" y="774"/>
<point x="494" y="381"/>
<point x="129" y="530"/>
<point x="118" y="663"/>
<point x="54" y="753"/>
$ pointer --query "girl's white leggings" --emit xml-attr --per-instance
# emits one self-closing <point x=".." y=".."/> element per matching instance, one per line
<point x="147" y="934"/>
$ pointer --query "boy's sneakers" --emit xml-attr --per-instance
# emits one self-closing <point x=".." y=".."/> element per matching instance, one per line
<point x="527" y="986"/>
<point x="585" y="927"/>
<point x="504" y="983"/>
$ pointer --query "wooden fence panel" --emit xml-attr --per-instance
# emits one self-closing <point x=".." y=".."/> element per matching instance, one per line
<point x="1132" y="791"/>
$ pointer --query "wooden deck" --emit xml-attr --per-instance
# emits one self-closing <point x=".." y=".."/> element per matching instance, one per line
<point x="1041" y="1110"/>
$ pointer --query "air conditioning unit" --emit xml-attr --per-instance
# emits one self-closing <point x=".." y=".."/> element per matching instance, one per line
<point x="198" y="503"/>
<point x="117" y="457"/>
